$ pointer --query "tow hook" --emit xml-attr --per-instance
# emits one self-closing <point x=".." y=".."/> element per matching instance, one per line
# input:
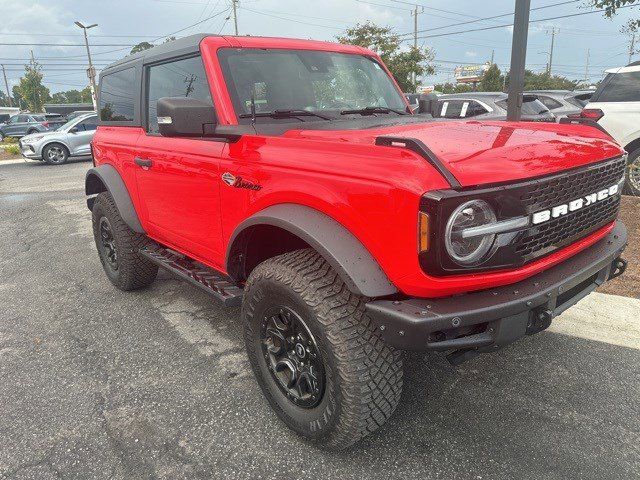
<point x="618" y="267"/>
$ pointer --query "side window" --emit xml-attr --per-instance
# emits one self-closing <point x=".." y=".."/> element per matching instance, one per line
<point x="21" y="118"/>
<point x="180" y="78"/>
<point x="117" y="96"/>
<point x="549" y="102"/>
<point x="87" y="125"/>
<point x="475" y="109"/>
<point x="454" y="109"/>
<point x="623" y="87"/>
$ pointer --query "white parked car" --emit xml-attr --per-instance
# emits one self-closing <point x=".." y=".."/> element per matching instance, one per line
<point x="615" y="105"/>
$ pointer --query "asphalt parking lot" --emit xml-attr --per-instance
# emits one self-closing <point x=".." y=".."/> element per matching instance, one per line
<point x="97" y="383"/>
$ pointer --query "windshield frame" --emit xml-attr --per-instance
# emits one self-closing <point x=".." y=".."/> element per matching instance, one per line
<point x="334" y="114"/>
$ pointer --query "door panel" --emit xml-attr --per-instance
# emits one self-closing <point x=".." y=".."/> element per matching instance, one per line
<point x="179" y="194"/>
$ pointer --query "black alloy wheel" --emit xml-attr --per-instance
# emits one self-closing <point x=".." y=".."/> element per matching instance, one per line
<point x="292" y="356"/>
<point x="108" y="245"/>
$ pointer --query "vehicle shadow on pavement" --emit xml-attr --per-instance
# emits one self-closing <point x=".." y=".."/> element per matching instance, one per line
<point x="549" y="406"/>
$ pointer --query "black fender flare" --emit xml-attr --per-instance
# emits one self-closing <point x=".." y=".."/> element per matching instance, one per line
<point x="340" y="248"/>
<point x="106" y="178"/>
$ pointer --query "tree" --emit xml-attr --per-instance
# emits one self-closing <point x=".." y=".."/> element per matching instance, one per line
<point x="31" y="89"/>
<point x="72" y="96"/>
<point x="140" y="47"/>
<point x="492" y="80"/>
<point x="611" y="8"/>
<point x="403" y="62"/>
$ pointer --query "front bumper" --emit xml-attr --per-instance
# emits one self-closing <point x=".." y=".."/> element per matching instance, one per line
<point x="30" y="151"/>
<point x="485" y="321"/>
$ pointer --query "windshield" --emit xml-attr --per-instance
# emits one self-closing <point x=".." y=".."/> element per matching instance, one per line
<point x="306" y="80"/>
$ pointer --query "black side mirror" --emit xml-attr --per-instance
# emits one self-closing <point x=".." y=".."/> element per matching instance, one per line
<point x="186" y="117"/>
<point x="73" y="130"/>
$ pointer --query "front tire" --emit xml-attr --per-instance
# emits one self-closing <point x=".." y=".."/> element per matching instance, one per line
<point x="55" y="154"/>
<point x="632" y="183"/>
<point x="119" y="247"/>
<point x="317" y="357"/>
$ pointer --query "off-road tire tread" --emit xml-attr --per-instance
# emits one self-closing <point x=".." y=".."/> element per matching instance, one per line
<point x="134" y="270"/>
<point x="370" y="371"/>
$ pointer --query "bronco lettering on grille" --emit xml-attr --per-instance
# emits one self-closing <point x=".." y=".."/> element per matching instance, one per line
<point x="560" y="210"/>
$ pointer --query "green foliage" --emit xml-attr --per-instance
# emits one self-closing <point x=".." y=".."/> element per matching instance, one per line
<point x="72" y="96"/>
<point x="4" y="101"/>
<point x="611" y="9"/>
<point x="449" y="87"/>
<point x="31" y="89"/>
<point x="402" y="63"/>
<point x="140" y="47"/>
<point x="8" y="140"/>
<point x="492" y="80"/>
<point x="12" y="150"/>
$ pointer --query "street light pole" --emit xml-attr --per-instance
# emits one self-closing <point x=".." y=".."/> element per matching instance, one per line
<point x="91" y="71"/>
<point x="518" y="59"/>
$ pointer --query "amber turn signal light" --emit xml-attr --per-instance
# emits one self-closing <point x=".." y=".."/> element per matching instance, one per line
<point x="423" y="232"/>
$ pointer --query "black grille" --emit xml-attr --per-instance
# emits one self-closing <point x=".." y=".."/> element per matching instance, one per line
<point x="570" y="186"/>
<point x="563" y="230"/>
<point x="558" y="232"/>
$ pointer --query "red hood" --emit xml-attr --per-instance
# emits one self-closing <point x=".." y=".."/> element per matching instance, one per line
<point x="489" y="152"/>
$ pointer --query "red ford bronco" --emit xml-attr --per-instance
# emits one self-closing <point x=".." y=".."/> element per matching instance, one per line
<point x="289" y="177"/>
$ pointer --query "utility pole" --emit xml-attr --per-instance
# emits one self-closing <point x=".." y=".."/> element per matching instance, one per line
<point x="91" y="71"/>
<point x="35" y="86"/>
<point x="6" y="84"/>
<point x="632" y="46"/>
<point x="518" y="59"/>
<point x="553" y="37"/>
<point x="415" y="14"/>
<point x="586" y="68"/>
<point x="235" y="15"/>
<point x="493" y="52"/>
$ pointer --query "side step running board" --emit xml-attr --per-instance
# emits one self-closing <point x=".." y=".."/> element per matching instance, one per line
<point x="211" y="281"/>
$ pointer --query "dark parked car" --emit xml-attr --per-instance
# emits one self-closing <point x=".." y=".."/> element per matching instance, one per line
<point x="489" y="106"/>
<point x="28" y="123"/>
<point x="563" y="102"/>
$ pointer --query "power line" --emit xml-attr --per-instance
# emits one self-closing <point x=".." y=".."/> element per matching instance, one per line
<point x="511" y="24"/>
<point x="491" y="18"/>
<point x="64" y="44"/>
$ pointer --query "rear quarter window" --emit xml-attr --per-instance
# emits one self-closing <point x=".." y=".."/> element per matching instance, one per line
<point x="117" y="98"/>
<point x="619" y="87"/>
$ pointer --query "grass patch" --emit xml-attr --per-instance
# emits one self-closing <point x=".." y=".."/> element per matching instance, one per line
<point x="9" y="140"/>
<point x="12" y="150"/>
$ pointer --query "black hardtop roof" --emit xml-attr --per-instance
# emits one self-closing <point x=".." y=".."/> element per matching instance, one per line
<point x="180" y="46"/>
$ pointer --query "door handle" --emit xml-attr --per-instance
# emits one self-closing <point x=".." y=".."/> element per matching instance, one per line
<point x="143" y="162"/>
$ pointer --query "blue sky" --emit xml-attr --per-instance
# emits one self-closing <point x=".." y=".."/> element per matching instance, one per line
<point x="126" y="22"/>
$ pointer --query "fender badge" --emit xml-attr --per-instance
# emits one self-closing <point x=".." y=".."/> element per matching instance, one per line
<point x="237" y="182"/>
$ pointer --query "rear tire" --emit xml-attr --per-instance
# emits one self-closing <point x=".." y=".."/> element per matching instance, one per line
<point x="632" y="180"/>
<point x="360" y="376"/>
<point x="55" y="154"/>
<point x="119" y="247"/>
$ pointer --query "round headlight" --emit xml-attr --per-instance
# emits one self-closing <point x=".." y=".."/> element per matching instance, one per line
<point x="469" y="250"/>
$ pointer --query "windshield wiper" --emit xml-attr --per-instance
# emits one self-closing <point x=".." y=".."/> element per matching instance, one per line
<point x="285" y="114"/>
<point x="371" y="111"/>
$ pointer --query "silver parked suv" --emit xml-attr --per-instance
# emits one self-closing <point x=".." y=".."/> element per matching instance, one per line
<point x="72" y="139"/>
